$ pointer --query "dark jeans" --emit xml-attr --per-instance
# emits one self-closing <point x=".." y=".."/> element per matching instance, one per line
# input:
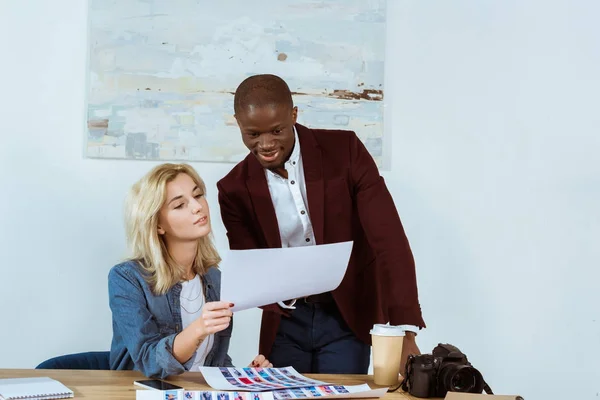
<point x="315" y="339"/>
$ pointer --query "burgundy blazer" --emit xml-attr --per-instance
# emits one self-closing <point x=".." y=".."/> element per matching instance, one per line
<point x="347" y="200"/>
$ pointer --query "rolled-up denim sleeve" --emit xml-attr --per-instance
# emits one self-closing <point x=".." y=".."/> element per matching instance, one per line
<point x="224" y="345"/>
<point x="228" y="362"/>
<point x="151" y="350"/>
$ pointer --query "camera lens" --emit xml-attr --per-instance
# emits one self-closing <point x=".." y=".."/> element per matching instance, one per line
<point x="462" y="381"/>
<point x="462" y="378"/>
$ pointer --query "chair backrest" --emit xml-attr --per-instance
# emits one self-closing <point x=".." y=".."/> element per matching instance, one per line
<point x="99" y="360"/>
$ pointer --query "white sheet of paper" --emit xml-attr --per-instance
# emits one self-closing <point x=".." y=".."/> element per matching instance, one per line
<point x="254" y="278"/>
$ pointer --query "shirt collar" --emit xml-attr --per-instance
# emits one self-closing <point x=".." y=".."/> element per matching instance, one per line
<point x="295" y="156"/>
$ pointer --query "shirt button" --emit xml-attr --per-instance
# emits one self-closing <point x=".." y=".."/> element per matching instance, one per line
<point x="292" y="182"/>
<point x="307" y="240"/>
<point x="293" y="162"/>
<point x="302" y="212"/>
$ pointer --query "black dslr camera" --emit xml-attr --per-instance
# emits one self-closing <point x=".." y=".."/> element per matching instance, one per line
<point x="445" y="370"/>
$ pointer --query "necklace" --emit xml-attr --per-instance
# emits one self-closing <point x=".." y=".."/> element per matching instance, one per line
<point x="191" y="312"/>
<point x="190" y="282"/>
<point x="190" y="299"/>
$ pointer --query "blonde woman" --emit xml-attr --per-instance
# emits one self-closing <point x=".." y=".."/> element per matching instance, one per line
<point x="166" y="312"/>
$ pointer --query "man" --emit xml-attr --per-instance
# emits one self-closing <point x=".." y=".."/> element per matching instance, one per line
<point x="301" y="187"/>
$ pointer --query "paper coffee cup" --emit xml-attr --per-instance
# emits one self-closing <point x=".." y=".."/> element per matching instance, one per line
<point x="387" y="352"/>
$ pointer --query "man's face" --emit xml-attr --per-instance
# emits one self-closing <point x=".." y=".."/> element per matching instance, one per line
<point x="268" y="132"/>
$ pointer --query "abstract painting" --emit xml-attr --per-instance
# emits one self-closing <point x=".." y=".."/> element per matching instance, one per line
<point x="162" y="73"/>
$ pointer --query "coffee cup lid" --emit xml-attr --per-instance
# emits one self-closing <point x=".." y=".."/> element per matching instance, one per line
<point x="387" y="330"/>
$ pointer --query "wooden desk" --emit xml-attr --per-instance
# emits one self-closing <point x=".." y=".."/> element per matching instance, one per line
<point x="118" y="385"/>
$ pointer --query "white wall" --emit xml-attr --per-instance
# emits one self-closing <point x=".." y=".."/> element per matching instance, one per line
<point x="493" y="108"/>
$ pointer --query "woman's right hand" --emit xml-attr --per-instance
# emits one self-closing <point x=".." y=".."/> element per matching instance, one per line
<point x="216" y="316"/>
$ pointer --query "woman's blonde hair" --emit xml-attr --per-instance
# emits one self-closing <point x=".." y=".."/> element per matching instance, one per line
<point x="147" y="247"/>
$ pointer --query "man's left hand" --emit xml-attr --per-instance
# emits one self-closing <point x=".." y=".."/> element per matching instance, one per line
<point x="409" y="347"/>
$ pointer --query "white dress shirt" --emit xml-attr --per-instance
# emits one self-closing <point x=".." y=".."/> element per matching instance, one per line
<point x="291" y="207"/>
<point x="290" y="202"/>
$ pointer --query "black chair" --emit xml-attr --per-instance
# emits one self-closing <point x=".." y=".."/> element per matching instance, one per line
<point x="98" y="360"/>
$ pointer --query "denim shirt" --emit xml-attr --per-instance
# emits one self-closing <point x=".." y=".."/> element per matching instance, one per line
<point x="145" y="324"/>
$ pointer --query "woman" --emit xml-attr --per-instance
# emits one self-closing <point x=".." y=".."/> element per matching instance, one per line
<point x="167" y="317"/>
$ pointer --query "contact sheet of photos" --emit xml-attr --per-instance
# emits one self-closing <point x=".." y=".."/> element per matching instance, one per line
<point x="256" y="379"/>
<point x="361" y="391"/>
<point x="212" y="395"/>
<point x="320" y="391"/>
<point x="261" y="384"/>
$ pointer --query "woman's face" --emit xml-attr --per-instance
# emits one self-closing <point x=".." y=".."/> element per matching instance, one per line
<point x="184" y="216"/>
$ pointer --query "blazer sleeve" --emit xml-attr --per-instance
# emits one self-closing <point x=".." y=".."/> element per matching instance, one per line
<point x="239" y="233"/>
<point x="385" y="234"/>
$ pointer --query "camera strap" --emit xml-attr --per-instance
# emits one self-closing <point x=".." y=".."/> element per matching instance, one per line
<point x="486" y="388"/>
<point x="408" y="369"/>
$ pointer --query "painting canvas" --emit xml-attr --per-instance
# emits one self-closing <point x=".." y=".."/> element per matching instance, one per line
<point x="162" y="73"/>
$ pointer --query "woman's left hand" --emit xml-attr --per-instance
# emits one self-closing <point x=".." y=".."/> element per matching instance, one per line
<point x="260" y="362"/>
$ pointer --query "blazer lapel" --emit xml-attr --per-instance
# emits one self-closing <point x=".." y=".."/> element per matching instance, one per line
<point x="262" y="202"/>
<point x="313" y="173"/>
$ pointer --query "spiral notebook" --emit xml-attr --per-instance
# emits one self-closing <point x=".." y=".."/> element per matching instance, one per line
<point x="33" y="388"/>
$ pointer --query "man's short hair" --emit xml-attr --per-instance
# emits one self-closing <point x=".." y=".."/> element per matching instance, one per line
<point x="262" y="90"/>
